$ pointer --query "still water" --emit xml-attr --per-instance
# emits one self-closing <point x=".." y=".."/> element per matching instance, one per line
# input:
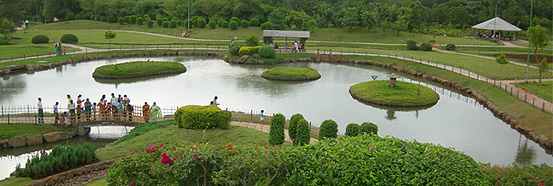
<point x="456" y="121"/>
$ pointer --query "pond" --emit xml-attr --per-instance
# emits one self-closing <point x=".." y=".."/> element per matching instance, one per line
<point x="456" y="121"/>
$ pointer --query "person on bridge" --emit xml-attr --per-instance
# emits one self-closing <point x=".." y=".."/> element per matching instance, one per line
<point x="87" y="109"/>
<point x="146" y="112"/>
<point x="156" y="113"/>
<point x="71" y="108"/>
<point x="56" y="113"/>
<point x="40" y="111"/>
<point x="129" y="110"/>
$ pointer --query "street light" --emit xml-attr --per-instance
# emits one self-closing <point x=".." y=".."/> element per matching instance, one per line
<point x="528" y="57"/>
<point x="188" y="28"/>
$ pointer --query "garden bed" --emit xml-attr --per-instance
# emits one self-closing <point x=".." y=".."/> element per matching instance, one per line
<point x="291" y="74"/>
<point x="138" y="69"/>
<point x="402" y="95"/>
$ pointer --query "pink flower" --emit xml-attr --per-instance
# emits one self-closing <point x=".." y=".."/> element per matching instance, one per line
<point x="181" y="154"/>
<point x="165" y="159"/>
<point x="370" y="148"/>
<point x="535" y="178"/>
<point x="161" y="145"/>
<point x="213" y="151"/>
<point x="195" y="156"/>
<point x="192" y="148"/>
<point x="501" y="179"/>
<point x="155" y="146"/>
<point x="266" y="147"/>
<point x="132" y="153"/>
<point x="132" y="183"/>
<point x="542" y="183"/>
<point x="483" y="167"/>
<point x="122" y="158"/>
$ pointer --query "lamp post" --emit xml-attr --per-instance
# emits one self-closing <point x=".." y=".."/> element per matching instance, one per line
<point x="188" y="28"/>
<point x="528" y="57"/>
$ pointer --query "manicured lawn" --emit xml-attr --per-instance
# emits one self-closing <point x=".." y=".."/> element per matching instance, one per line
<point x="291" y="74"/>
<point x="404" y="94"/>
<point x="8" y="131"/>
<point x="545" y="91"/>
<point x="173" y="135"/>
<point x="137" y="69"/>
<point x="533" y="117"/>
<point x="26" y="50"/>
<point x="100" y="182"/>
<point x="17" y="181"/>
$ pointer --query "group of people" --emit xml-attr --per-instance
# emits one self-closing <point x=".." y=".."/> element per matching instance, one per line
<point x="295" y="47"/>
<point x="58" y="49"/>
<point x="118" y="108"/>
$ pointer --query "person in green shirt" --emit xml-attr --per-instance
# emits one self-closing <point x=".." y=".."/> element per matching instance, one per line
<point x="87" y="109"/>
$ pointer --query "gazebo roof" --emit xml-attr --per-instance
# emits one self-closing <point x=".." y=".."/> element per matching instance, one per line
<point x="286" y="33"/>
<point x="499" y="23"/>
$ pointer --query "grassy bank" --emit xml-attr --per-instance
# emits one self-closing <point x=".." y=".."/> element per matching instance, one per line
<point x="545" y="91"/>
<point x="137" y="69"/>
<point x="291" y="74"/>
<point x="17" y="181"/>
<point x="8" y="131"/>
<point x="404" y="94"/>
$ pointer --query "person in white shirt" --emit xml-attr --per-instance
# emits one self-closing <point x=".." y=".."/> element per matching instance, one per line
<point x="40" y="111"/>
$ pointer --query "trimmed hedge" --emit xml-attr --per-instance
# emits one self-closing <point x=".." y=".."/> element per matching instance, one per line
<point x="368" y="128"/>
<point x="69" y="38"/>
<point x="60" y="159"/>
<point x="165" y="24"/>
<point x="252" y="40"/>
<point x="276" y="132"/>
<point x="121" y="20"/>
<point x="426" y="47"/>
<point x="248" y="50"/>
<point x="328" y="129"/>
<point x="225" y="24"/>
<point x="266" y="26"/>
<point x="173" y="24"/>
<point x="202" y="23"/>
<point x="352" y="130"/>
<point x="233" y="25"/>
<point x="292" y="125"/>
<point x="234" y="19"/>
<point x="267" y="52"/>
<point x="412" y="45"/>
<point x="234" y="50"/>
<point x="40" y="39"/>
<point x="303" y="133"/>
<point x="254" y="22"/>
<point x="150" y="23"/>
<point x="212" y="24"/>
<point x="140" y="21"/>
<point x="202" y="117"/>
<point x="245" y="24"/>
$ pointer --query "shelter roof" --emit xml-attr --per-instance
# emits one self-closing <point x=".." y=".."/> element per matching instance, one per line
<point x="499" y="23"/>
<point x="286" y="33"/>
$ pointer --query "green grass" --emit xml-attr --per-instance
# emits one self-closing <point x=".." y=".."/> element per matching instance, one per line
<point x="292" y="74"/>
<point x="545" y="91"/>
<point x="173" y="135"/>
<point x="404" y="94"/>
<point x="100" y="182"/>
<point x="533" y="117"/>
<point x="17" y="181"/>
<point x="8" y="131"/>
<point x="28" y="50"/>
<point x="137" y="69"/>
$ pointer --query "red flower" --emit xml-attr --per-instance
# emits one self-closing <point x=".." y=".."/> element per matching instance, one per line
<point x="122" y="158"/>
<point x="165" y="159"/>
<point x="161" y="145"/>
<point x="192" y="148"/>
<point x="132" y="183"/>
<point x="132" y="153"/>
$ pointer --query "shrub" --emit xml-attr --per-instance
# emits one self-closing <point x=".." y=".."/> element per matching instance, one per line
<point x="132" y="19"/>
<point x="368" y="128"/>
<point x="77" y="17"/>
<point x="70" y="16"/>
<point x="267" y="52"/>
<point x="412" y="45"/>
<point x="426" y="47"/>
<point x="303" y="133"/>
<point x="212" y="24"/>
<point x="328" y="129"/>
<point x="69" y="38"/>
<point x="267" y="26"/>
<point x="234" y="50"/>
<point x="140" y="21"/>
<point x="233" y="25"/>
<point x="202" y="23"/>
<point x="60" y="159"/>
<point x="4" y="42"/>
<point x="121" y="20"/>
<point x="252" y="41"/>
<point x="202" y="117"/>
<point x="220" y="23"/>
<point x="352" y="129"/>
<point x="292" y="125"/>
<point x="103" y="19"/>
<point x="173" y="24"/>
<point x="267" y="40"/>
<point x="519" y="175"/>
<point x="245" y="24"/>
<point x="235" y="19"/>
<point x="432" y="41"/>
<point x="127" y="19"/>
<point x="165" y="24"/>
<point x="248" y="50"/>
<point x="450" y="47"/>
<point x="159" y="21"/>
<point x="224" y="24"/>
<point x="254" y="22"/>
<point x="150" y="23"/>
<point x="111" y="19"/>
<point x="40" y="39"/>
<point x="276" y="132"/>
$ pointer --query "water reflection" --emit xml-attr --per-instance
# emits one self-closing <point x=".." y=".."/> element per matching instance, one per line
<point x="391" y="114"/>
<point x="525" y="154"/>
<point x="11" y="86"/>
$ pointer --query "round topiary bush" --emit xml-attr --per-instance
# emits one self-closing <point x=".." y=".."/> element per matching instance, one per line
<point x="202" y="117"/>
<point x="252" y="40"/>
<point x="404" y="94"/>
<point x="352" y="129"/>
<point x="254" y="22"/>
<point x="173" y="24"/>
<point x="450" y="47"/>
<point x="233" y="25"/>
<point x="267" y="52"/>
<point x="303" y="133"/>
<point x="234" y="19"/>
<point x="234" y="50"/>
<point x="368" y="128"/>
<point x="412" y="45"/>
<point x="225" y="24"/>
<point x="132" y="19"/>
<point x="212" y="24"/>
<point x="328" y="129"/>
<point x="165" y="24"/>
<point x="121" y="20"/>
<point x="140" y="21"/>
<point x="69" y="38"/>
<point x="245" y="24"/>
<point x="267" y="26"/>
<point x="292" y="125"/>
<point x="426" y="47"/>
<point x="276" y="132"/>
<point x="111" y="19"/>
<point x="291" y="74"/>
<point x="150" y="23"/>
<point x="40" y="39"/>
<point x="201" y="23"/>
<point x="249" y="50"/>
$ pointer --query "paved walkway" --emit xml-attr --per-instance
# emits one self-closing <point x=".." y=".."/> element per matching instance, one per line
<point x="264" y="128"/>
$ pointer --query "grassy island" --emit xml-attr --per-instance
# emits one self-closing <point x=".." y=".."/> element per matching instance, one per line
<point x="137" y="69"/>
<point x="402" y="95"/>
<point x="291" y="74"/>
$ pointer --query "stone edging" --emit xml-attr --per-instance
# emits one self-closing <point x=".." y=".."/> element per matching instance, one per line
<point x="16" y="142"/>
<point x="542" y="140"/>
<point x="63" y="176"/>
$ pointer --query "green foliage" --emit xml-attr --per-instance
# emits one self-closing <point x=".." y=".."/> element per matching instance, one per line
<point x="267" y="40"/>
<point x="368" y="128"/>
<point x="137" y="69"/>
<point x="426" y="47"/>
<point x="276" y="132"/>
<point x="110" y="35"/>
<point x="450" y="47"/>
<point x="202" y="117"/>
<point x="121" y="20"/>
<point x="111" y="19"/>
<point x="328" y="129"/>
<point x="60" y="159"/>
<point x="132" y="19"/>
<point x="267" y="51"/>
<point x="150" y="23"/>
<point x="254" y="22"/>
<point x="412" y="45"/>
<point x="519" y="175"/>
<point x="249" y="50"/>
<point x="538" y="37"/>
<point x="303" y="133"/>
<point x="212" y="24"/>
<point x="404" y="94"/>
<point x="267" y="26"/>
<point x="202" y="23"/>
<point x="69" y="38"/>
<point x="69" y="16"/>
<point x="234" y="19"/>
<point x="234" y="50"/>
<point x="143" y="128"/>
<point x="4" y="42"/>
<point x="252" y="41"/>
<point x="245" y="24"/>
<point x="140" y="21"/>
<point x="40" y="39"/>
<point x="159" y="21"/>
<point x="501" y="59"/>
<point x="165" y="24"/>
<point x="291" y="74"/>
<point x="225" y="24"/>
<point x="293" y="125"/>
<point x="103" y="19"/>
<point x="173" y="24"/>
<point x="352" y="130"/>
<point x="233" y="25"/>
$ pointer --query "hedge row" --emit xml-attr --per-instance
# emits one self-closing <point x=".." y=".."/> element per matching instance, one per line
<point x="353" y="129"/>
<point x="202" y="117"/>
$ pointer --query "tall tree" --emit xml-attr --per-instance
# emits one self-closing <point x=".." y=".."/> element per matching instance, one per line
<point x="538" y="38"/>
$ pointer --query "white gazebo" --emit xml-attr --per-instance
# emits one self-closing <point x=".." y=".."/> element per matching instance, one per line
<point x="497" y="24"/>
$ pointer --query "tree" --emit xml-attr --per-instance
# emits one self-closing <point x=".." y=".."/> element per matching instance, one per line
<point x="501" y="59"/>
<point x="110" y="35"/>
<point x="351" y="18"/>
<point x="252" y="40"/>
<point x="538" y="38"/>
<point x="543" y="67"/>
<point x="276" y="132"/>
<point x="277" y="20"/>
